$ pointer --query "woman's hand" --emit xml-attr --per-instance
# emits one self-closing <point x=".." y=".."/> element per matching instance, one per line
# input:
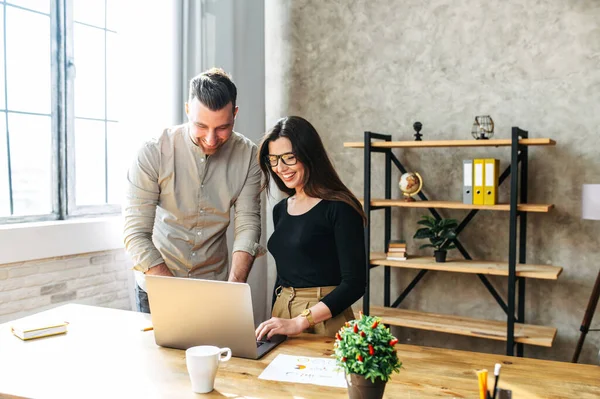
<point x="275" y="325"/>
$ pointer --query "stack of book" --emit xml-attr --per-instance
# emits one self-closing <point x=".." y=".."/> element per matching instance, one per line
<point x="396" y="250"/>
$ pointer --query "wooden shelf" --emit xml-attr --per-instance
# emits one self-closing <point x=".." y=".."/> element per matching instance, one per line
<point x="542" y="272"/>
<point x="489" y="329"/>
<point x="450" y="143"/>
<point x="459" y="205"/>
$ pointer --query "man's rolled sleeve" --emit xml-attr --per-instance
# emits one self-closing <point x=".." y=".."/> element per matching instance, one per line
<point x="140" y="208"/>
<point x="247" y="212"/>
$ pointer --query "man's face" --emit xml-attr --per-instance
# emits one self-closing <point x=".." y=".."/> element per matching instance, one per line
<point x="210" y="129"/>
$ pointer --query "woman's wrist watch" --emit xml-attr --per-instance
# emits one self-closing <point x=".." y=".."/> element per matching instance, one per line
<point x="306" y="313"/>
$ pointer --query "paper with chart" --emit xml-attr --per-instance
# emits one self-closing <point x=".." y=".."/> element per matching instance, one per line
<point x="305" y="370"/>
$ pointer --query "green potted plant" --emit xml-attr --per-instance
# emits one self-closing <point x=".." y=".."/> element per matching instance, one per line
<point x="440" y="234"/>
<point x="364" y="349"/>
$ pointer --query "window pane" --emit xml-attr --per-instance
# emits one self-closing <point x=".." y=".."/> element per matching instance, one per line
<point x="117" y="13"/>
<point x="4" y="187"/>
<point x="89" y="163"/>
<point x="31" y="162"/>
<point x="28" y="61"/>
<point x="89" y="12"/>
<point x="119" y="159"/>
<point x="2" y="88"/>
<point x="114" y="80"/>
<point x="89" y="77"/>
<point x="38" y="5"/>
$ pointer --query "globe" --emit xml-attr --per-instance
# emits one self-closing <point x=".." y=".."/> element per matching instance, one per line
<point x="410" y="184"/>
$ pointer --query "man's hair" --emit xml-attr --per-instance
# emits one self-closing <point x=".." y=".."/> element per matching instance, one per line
<point x="214" y="89"/>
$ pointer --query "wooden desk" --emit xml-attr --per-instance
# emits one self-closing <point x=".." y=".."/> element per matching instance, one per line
<point x="106" y="355"/>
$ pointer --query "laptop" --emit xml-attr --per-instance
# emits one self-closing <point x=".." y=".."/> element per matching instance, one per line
<point x="188" y="312"/>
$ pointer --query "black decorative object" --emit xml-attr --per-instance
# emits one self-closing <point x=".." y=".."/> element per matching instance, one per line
<point x="418" y="126"/>
<point x="483" y="127"/>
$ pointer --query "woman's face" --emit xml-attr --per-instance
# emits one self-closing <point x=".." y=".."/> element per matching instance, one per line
<point x="285" y="164"/>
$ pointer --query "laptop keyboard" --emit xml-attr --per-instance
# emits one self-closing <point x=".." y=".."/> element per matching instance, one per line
<point x="260" y="343"/>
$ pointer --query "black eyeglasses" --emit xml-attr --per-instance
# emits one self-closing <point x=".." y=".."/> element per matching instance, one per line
<point x="288" y="159"/>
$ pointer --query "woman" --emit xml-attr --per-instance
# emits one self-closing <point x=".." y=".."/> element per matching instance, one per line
<point x="318" y="241"/>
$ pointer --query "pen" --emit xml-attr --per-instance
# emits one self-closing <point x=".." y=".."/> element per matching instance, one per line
<point x="497" y="375"/>
<point x="148" y="328"/>
<point x="482" y="380"/>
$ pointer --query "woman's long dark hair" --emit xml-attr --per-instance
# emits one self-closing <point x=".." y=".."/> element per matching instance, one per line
<point x="320" y="178"/>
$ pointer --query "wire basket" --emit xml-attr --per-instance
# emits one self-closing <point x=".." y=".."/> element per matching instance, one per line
<point x="483" y="127"/>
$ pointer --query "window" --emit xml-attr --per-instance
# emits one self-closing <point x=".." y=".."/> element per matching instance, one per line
<point x="60" y="147"/>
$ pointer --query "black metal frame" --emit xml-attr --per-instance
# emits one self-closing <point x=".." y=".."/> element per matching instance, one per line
<point x="517" y="231"/>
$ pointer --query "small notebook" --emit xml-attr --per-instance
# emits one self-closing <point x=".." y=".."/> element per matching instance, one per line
<point x="30" y="330"/>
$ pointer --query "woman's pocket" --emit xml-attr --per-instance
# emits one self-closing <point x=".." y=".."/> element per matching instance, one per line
<point x="279" y="307"/>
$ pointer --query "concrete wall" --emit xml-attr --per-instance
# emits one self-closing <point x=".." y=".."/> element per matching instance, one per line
<point x="351" y="66"/>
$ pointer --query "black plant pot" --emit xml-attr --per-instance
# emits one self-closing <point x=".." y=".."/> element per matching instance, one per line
<point x="361" y="388"/>
<point x="440" y="256"/>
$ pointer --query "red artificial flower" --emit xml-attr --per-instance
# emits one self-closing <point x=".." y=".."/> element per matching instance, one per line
<point x="371" y="350"/>
<point x="362" y="334"/>
<point x="393" y="341"/>
<point x="375" y="324"/>
<point x="344" y="359"/>
<point x="359" y="358"/>
<point x="338" y="336"/>
<point x="356" y="328"/>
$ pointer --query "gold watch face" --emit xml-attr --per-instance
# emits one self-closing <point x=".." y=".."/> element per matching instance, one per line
<point x="305" y="312"/>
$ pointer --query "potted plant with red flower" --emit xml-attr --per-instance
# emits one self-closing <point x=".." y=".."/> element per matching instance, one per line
<point x="364" y="348"/>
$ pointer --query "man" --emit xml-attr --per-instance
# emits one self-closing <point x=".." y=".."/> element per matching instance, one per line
<point x="181" y="187"/>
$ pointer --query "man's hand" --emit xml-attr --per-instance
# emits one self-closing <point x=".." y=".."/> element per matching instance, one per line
<point x="159" y="270"/>
<point x="275" y="325"/>
<point x="241" y="263"/>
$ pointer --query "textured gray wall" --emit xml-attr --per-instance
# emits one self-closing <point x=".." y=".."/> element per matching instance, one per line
<point x="380" y="65"/>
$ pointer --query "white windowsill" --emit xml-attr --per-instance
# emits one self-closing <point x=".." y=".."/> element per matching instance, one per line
<point x="29" y="241"/>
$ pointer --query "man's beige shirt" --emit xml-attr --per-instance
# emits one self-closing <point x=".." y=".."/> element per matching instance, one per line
<point x="178" y="204"/>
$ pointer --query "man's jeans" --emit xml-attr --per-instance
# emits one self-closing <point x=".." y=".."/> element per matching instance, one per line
<point x="141" y="300"/>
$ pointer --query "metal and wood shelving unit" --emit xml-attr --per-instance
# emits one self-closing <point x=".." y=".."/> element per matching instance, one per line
<point x="514" y="330"/>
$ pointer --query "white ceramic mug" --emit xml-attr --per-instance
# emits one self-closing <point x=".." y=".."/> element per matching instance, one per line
<point x="202" y="364"/>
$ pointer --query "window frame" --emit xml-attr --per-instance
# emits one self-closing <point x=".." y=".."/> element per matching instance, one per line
<point x="62" y="76"/>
